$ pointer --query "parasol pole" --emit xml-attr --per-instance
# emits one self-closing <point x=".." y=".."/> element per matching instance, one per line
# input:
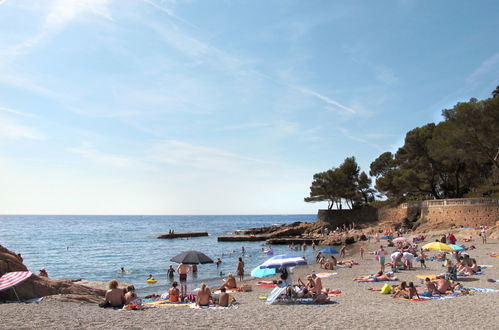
<point x="16" y="294"/>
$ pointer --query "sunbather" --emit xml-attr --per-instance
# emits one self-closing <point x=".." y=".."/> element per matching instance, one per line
<point x="412" y="291"/>
<point x="203" y="296"/>
<point x="375" y="278"/>
<point x="230" y="282"/>
<point x="431" y="288"/>
<point x="401" y="291"/>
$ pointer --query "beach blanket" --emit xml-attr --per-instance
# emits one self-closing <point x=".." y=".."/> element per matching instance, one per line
<point x="376" y="281"/>
<point x="309" y="301"/>
<point x="483" y="290"/>
<point x="465" y="274"/>
<point x="263" y="285"/>
<point x="194" y="306"/>
<point x="423" y="277"/>
<point x="166" y="302"/>
<point x="414" y="299"/>
<point x="228" y="291"/>
<point x="324" y="275"/>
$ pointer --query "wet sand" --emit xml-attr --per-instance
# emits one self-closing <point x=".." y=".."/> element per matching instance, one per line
<point x="358" y="307"/>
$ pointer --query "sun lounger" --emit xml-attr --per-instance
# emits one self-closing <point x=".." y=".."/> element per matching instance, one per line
<point x="276" y="293"/>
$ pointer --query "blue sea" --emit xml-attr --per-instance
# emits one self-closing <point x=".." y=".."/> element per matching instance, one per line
<point x="95" y="247"/>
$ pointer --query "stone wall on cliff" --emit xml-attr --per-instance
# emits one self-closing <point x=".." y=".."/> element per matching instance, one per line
<point x="468" y="212"/>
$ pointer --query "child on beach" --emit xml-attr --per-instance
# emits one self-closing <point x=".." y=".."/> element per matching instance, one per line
<point x="412" y="291"/>
<point x="422" y="258"/>
<point x="361" y="250"/>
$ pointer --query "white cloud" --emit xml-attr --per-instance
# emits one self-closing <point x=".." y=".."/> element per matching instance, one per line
<point x="12" y="130"/>
<point x="87" y="151"/>
<point x="59" y="14"/>
<point x="186" y="154"/>
<point x="327" y="99"/>
<point x="485" y="67"/>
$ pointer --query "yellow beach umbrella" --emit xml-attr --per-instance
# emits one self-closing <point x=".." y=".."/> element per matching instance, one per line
<point x="437" y="246"/>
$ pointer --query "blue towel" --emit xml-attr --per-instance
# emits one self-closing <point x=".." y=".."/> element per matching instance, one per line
<point x="483" y="290"/>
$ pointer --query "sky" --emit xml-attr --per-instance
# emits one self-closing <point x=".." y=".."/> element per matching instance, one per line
<point x="218" y="106"/>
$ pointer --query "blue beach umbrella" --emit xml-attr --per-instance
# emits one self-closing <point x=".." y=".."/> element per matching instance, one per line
<point x="329" y="250"/>
<point x="284" y="260"/>
<point x="263" y="272"/>
<point x="456" y="247"/>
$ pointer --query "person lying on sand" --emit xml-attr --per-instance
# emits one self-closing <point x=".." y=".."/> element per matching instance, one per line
<point x="230" y="282"/>
<point x="376" y="277"/>
<point x="348" y="262"/>
<point x="431" y="288"/>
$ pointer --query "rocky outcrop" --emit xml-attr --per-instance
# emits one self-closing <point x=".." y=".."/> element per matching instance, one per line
<point x="37" y="286"/>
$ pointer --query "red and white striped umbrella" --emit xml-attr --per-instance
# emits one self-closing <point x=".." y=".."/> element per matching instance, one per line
<point x="10" y="279"/>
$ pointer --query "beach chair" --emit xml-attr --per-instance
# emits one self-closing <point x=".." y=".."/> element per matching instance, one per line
<point x="276" y="294"/>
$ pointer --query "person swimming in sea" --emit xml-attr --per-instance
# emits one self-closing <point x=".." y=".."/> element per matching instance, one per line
<point x="122" y="270"/>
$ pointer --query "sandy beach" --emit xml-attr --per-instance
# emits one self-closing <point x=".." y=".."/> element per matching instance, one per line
<point x="357" y="306"/>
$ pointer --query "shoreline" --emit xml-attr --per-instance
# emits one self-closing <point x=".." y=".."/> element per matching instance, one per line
<point x="357" y="306"/>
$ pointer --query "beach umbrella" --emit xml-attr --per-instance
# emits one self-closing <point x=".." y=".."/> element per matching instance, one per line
<point x="437" y="246"/>
<point x="400" y="239"/>
<point x="263" y="272"/>
<point x="192" y="258"/>
<point x="284" y="260"/>
<point x="329" y="250"/>
<point x="457" y="247"/>
<point x="9" y="280"/>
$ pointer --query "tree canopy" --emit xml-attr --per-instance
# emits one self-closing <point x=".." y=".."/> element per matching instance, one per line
<point x="452" y="159"/>
<point x="344" y="183"/>
<point x="458" y="157"/>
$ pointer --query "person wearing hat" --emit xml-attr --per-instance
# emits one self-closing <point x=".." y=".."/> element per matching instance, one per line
<point x="43" y="273"/>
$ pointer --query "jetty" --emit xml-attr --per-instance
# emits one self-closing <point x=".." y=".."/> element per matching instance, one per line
<point x="242" y="238"/>
<point x="183" y="235"/>
<point x="291" y="240"/>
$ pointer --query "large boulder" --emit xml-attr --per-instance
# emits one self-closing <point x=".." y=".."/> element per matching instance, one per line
<point x="37" y="286"/>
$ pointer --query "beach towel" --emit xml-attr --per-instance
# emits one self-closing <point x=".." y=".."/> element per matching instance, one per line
<point x="309" y="301"/>
<point x="414" y="299"/>
<point x="423" y="277"/>
<point x="324" y="275"/>
<point x="267" y="285"/>
<point x="194" y="306"/>
<point x="466" y="274"/>
<point x="166" y="302"/>
<point x="376" y="281"/>
<point x="483" y="290"/>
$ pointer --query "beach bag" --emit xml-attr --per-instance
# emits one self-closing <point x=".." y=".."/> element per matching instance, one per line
<point x="386" y="289"/>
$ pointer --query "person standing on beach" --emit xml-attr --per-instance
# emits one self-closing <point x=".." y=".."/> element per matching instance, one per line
<point x="361" y="252"/>
<point x="182" y="271"/>
<point x="483" y="234"/>
<point x="342" y="251"/>
<point x="381" y="258"/>
<point x="240" y="269"/>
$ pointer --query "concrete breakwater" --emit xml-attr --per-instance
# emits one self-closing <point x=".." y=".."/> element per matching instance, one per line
<point x="183" y="235"/>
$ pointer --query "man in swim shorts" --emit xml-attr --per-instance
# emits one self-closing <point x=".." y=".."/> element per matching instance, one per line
<point x="182" y="271"/>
